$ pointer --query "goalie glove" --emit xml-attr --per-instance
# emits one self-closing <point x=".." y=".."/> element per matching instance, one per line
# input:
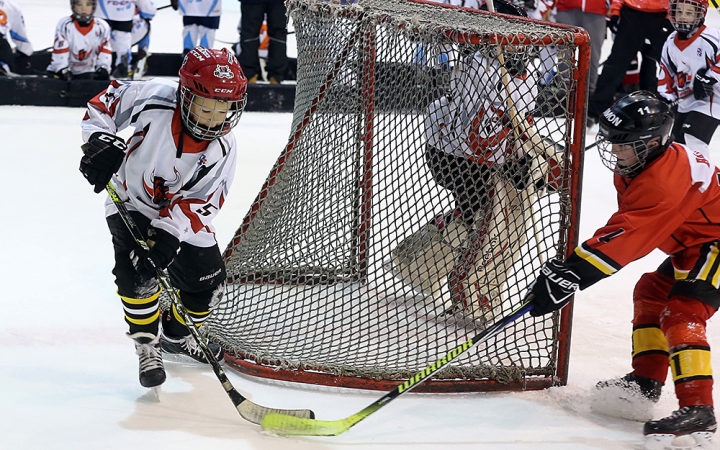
<point x="703" y="85"/>
<point x="104" y="154"/>
<point x="553" y="288"/>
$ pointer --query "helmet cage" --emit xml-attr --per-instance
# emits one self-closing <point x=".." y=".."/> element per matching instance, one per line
<point x="83" y="19"/>
<point x="687" y="29"/>
<point x="611" y="161"/>
<point x="190" y="101"/>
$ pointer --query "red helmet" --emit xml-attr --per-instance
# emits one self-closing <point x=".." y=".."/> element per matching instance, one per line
<point x="213" y="92"/>
<point x="686" y="28"/>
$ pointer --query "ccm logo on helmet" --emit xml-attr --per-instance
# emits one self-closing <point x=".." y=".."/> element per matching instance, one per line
<point x="609" y="115"/>
<point x="223" y="91"/>
<point x="224" y="72"/>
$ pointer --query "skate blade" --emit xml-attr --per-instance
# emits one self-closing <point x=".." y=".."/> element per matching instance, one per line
<point x="701" y="440"/>
<point x="156" y="393"/>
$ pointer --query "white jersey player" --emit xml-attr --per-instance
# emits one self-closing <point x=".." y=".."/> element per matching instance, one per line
<point x="479" y="148"/>
<point x="201" y="19"/>
<point x="81" y="49"/>
<point x="12" y="29"/>
<point x="690" y="72"/>
<point x="173" y="176"/>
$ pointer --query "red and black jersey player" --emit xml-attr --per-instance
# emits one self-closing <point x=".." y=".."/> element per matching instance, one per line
<point x="173" y="174"/>
<point x="668" y="199"/>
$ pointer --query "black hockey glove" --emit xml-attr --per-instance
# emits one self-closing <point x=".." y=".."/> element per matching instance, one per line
<point x="703" y="85"/>
<point x="104" y="153"/>
<point x="519" y="172"/>
<point x="553" y="288"/>
<point x="613" y="24"/>
<point x="101" y="73"/>
<point x="174" y="4"/>
<point x="62" y="74"/>
<point x="163" y="249"/>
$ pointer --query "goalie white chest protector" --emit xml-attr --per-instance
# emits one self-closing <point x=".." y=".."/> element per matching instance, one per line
<point x="473" y="120"/>
<point x="176" y="181"/>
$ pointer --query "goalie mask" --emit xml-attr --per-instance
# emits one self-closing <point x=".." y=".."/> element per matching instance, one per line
<point x="634" y="131"/>
<point x="516" y="57"/>
<point x="687" y="16"/>
<point x="212" y="92"/>
<point x="83" y="11"/>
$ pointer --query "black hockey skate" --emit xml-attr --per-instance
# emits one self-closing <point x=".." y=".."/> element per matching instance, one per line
<point x="697" y="422"/>
<point x="121" y="70"/>
<point x="187" y="346"/>
<point x="151" y="369"/>
<point x="630" y="397"/>
<point x="635" y="385"/>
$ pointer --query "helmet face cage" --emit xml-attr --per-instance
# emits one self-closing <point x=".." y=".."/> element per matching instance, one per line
<point x="691" y="14"/>
<point x="83" y="19"/>
<point x="212" y="92"/>
<point x="201" y="127"/>
<point x="610" y="159"/>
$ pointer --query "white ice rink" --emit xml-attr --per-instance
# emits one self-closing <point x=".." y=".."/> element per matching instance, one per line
<point x="68" y="374"/>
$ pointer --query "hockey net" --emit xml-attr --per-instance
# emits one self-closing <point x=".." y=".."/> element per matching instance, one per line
<point x="314" y="293"/>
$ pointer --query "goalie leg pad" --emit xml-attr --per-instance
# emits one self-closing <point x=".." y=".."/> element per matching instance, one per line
<point x="424" y="259"/>
<point x="479" y="288"/>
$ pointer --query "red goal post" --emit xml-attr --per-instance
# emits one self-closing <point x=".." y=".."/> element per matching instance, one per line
<point x="312" y="293"/>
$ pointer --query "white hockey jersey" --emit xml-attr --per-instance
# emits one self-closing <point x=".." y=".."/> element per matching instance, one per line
<point x="81" y="49"/>
<point x="200" y="8"/>
<point x="12" y="24"/>
<point x="124" y="10"/>
<point x="176" y="181"/>
<point x="473" y="120"/>
<point x="680" y="62"/>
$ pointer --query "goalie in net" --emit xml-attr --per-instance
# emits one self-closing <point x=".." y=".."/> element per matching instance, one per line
<point x="482" y="147"/>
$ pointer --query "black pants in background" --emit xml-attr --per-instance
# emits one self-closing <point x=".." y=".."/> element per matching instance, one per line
<point x="635" y="26"/>
<point x="251" y="19"/>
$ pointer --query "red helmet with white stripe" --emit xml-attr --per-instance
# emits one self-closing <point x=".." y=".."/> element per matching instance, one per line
<point x="212" y="92"/>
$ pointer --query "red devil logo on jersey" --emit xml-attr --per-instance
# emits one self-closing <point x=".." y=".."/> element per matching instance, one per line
<point x="81" y="55"/>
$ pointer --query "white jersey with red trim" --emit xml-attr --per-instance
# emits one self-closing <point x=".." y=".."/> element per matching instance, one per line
<point x="81" y="49"/>
<point x="681" y="60"/>
<point x="178" y="182"/>
<point x="472" y="121"/>
<point x="12" y="24"/>
<point x="200" y="8"/>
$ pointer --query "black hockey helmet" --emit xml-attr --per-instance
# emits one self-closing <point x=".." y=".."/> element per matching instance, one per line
<point x="516" y="57"/>
<point x="503" y="7"/>
<point x="83" y="18"/>
<point x="642" y="124"/>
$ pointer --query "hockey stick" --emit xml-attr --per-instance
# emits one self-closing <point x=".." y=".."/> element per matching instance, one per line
<point x="250" y="411"/>
<point x="295" y="426"/>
